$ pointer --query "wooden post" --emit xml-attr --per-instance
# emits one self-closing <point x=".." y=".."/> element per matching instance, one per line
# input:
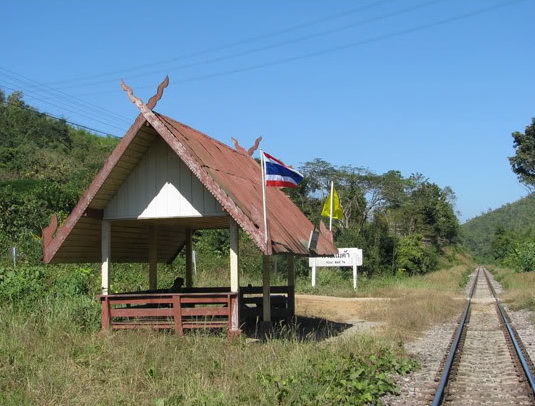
<point x="234" y="327"/>
<point x="105" y="314"/>
<point x="291" y="288"/>
<point x="189" y="259"/>
<point x="266" y="302"/>
<point x="291" y="270"/>
<point x="153" y="257"/>
<point x="105" y="254"/>
<point x="234" y="260"/>
<point x="177" y="315"/>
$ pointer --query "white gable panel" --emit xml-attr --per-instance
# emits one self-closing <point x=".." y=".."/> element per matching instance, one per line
<point x="161" y="186"/>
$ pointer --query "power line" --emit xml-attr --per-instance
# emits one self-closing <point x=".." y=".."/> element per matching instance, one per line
<point x="267" y="47"/>
<point x="62" y="95"/>
<point x="231" y="45"/>
<point x="29" y="108"/>
<point x="340" y="47"/>
<point x="70" y="122"/>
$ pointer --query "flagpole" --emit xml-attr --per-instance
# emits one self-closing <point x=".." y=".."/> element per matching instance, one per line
<point x="263" y="165"/>
<point x="332" y="202"/>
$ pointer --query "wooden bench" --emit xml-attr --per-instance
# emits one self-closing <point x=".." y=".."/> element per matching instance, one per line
<point x="177" y="311"/>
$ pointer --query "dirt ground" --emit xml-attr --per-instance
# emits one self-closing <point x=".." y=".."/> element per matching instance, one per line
<point x="338" y="309"/>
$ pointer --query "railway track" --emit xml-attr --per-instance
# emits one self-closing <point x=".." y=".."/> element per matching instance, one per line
<point x="486" y="364"/>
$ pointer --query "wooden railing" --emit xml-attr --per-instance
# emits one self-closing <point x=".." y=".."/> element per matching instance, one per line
<point x="177" y="311"/>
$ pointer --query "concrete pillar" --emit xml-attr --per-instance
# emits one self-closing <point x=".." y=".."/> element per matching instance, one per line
<point x="234" y="259"/>
<point x="105" y="254"/>
<point x="189" y="258"/>
<point x="153" y="257"/>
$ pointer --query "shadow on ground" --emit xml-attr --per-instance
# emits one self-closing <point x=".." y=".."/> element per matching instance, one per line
<point x="303" y="329"/>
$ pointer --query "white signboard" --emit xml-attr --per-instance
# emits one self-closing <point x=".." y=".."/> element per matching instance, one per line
<point x="345" y="257"/>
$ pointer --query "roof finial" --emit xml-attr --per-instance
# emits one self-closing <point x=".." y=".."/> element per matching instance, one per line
<point x="152" y="101"/>
<point x="159" y="93"/>
<point x="242" y="150"/>
<point x="136" y="100"/>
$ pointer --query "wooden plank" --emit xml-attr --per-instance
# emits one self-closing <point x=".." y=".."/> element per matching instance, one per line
<point x="132" y="234"/>
<point x="120" y="326"/>
<point x="205" y="325"/>
<point x="84" y="256"/>
<point x="137" y="148"/>
<point x="86" y="227"/>
<point x="258" y="289"/>
<point x="140" y="297"/>
<point x="133" y="153"/>
<point x="203" y="300"/>
<point x="127" y="164"/>
<point x="146" y="135"/>
<point x="205" y="311"/>
<point x="143" y="142"/>
<point x="119" y="174"/>
<point x="142" y="312"/>
<point x="80" y="238"/>
<point x="99" y="203"/>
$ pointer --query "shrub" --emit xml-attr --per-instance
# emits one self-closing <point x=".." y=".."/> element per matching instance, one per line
<point x="21" y="285"/>
<point x="522" y="257"/>
<point x="414" y="256"/>
<point x="339" y="379"/>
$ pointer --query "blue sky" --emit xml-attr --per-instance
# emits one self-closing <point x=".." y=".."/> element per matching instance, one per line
<point x="421" y="86"/>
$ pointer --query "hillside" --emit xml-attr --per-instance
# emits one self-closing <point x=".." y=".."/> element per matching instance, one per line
<point x="45" y="164"/>
<point x="517" y="217"/>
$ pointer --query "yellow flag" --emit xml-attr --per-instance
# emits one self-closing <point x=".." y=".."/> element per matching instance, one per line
<point x="337" y="207"/>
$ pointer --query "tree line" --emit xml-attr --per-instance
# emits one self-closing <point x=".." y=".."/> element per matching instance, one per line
<point x="402" y="223"/>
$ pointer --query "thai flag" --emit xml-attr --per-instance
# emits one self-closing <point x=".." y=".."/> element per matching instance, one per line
<point x="279" y="174"/>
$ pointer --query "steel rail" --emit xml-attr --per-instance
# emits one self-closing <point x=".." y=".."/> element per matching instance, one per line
<point x="512" y="335"/>
<point x="439" y="394"/>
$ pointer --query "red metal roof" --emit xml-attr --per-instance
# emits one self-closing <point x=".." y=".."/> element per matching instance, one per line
<point x="232" y="177"/>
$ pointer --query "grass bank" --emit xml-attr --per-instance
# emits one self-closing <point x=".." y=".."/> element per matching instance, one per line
<point x="51" y="351"/>
<point x="50" y="356"/>
<point x="518" y="287"/>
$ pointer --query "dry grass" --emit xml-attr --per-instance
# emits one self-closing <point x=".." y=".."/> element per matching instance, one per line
<point x="405" y="306"/>
<point x="518" y="288"/>
<point x="419" y="303"/>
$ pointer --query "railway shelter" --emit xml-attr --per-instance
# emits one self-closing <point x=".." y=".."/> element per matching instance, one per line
<point x="163" y="181"/>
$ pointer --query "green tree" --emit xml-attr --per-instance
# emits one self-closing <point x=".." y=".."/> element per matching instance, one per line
<point x="523" y="162"/>
<point x="414" y="256"/>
